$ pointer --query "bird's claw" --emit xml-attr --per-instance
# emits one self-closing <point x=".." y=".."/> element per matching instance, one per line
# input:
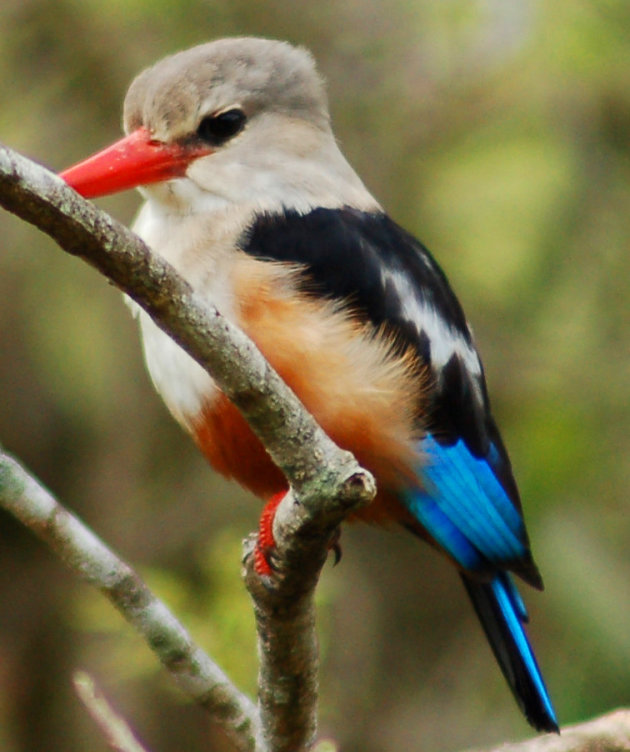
<point x="264" y="550"/>
<point x="335" y="546"/>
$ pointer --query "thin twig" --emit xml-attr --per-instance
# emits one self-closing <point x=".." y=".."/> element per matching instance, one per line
<point x="113" y="726"/>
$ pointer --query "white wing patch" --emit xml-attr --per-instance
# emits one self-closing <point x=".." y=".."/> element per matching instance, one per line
<point x="445" y="341"/>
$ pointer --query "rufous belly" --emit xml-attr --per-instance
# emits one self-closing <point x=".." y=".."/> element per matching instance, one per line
<point x="366" y="395"/>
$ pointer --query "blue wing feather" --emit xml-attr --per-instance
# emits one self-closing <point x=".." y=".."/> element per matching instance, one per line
<point x="444" y="531"/>
<point x="467" y="493"/>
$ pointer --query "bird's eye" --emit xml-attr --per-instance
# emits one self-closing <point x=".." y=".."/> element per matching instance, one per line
<point x="217" y="129"/>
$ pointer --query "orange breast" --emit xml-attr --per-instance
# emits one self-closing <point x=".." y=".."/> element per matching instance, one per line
<point x="364" y="395"/>
<point x="232" y="449"/>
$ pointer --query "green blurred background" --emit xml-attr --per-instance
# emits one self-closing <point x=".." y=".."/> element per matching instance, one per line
<point x="498" y="133"/>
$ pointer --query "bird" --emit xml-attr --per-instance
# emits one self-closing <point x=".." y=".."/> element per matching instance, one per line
<point x="248" y="195"/>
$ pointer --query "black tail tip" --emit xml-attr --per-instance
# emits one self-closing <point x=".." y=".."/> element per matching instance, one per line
<point x="543" y="722"/>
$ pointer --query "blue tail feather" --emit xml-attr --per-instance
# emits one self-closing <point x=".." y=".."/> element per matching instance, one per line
<point x="501" y="616"/>
<point x="517" y="601"/>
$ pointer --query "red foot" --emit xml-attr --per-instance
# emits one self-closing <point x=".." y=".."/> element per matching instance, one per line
<point x="266" y="541"/>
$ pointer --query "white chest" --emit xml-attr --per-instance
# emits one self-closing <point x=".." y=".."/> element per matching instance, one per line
<point x="202" y="252"/>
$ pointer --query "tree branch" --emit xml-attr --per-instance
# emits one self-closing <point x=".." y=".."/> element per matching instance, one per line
<point x="81" y="550"/>
<point x="608" y="733"/>
<point x="114" y="727"/>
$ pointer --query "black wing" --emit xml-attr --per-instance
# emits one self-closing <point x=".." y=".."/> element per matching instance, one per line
<point x="390" y="278"/>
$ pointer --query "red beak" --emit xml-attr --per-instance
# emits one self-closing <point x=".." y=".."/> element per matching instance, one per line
<point x="135" y="160"/>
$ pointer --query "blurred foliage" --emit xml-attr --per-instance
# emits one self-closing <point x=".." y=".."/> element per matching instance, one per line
<point x="498" y="133"/>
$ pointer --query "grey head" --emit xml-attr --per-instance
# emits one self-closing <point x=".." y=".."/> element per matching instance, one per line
<point x="282" y="155"/>
<point x="257" y="75"/>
